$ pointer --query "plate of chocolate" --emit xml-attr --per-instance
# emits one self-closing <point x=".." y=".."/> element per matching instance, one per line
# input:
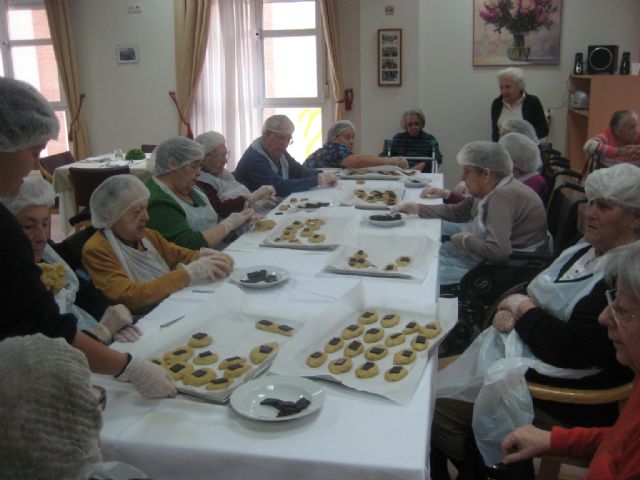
<point x="264" y="276"/>
<point x="386" y="219"/>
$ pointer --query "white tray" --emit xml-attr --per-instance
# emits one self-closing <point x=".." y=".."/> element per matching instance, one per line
<point x="332" y="229"/>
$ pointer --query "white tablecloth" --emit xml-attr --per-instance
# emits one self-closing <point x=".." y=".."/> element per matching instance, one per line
<point x="354" y="435"/>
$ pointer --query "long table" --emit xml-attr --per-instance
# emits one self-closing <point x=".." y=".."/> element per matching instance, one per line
<point x="354" y="435"/>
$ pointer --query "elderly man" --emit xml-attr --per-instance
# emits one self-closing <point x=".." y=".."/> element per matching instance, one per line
<point x="267" y="162"/>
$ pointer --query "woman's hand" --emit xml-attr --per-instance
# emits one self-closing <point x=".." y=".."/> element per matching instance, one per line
<point x="410" y="208"/>
<point x="457" y="239"/>
<point x="400" y="162"/>
<point x="524" y="443"/>
<point x="517" y="304"/>
<point x="237" y="219"/>
<point x="432" y="192"/>
<point x="327" y="178"/>
<point x="503" y="321"/>
<point x="266" y="194"/>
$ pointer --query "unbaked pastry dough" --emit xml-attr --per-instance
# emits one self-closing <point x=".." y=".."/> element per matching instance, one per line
<point x="236" y="370"/>
<point x="367" y="370"/>
<point x="431" y="329"/>
<point x="354" y="349"/>
<point x="352" y="331"/>
<point x="180" y="354"/>
<point x="264" y="225"/>
<point x="205" y="358"/>
<point x="266" y="325"/>
<point x="316" y="359"/>
<point x="179" y="369"/>
<point x="333" y="345"/>
<point x="367" y="318"/>
<point x="199" y="340"/>
<point x="404" y="357"/>
<point x="261" y="352"/>
<point x="376" y="352"/>
<point x="419" y="343"/>
<point x="372" y="335"/>
<point x="227" y="362"/>
<point x="394" y="339"/>
<point x="411" y="327"/>
<point x="219" y="383"/>
<point x="390" y="320"/>
<point x="340" y="365"/>
<point x="199" y="377"/>
<point x="395" y="373"/>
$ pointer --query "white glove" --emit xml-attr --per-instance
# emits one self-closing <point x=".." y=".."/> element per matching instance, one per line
<point x="503" y="321"/>
<point x="512" y="303"/>
<point x="207" y="269"/>
<point x="150" y="380"/>
<point x="113" y="320"/>
<point x="458" y="239"/>
<point x="410" y="208"/>
<point x="237" y="219"/>
<point x="265" y="192"/>
<point x="327" y="178"/>
<point x="205" y="252"/>
<point x="401" y="162"/>
<point x="432" y="192"/>
<point x="128" y="334"/>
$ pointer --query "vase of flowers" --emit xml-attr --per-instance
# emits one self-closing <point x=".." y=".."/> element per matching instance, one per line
<point x="518" y="50"/>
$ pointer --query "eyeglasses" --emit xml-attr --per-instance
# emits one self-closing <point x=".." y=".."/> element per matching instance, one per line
<point x="282" y="136"/>
<point x="101" y="395"/>
<point x="195" y="165"/>
<point x="623" y="318"/>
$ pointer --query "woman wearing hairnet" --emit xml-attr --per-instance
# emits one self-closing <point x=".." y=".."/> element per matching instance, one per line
<point x="50" y="427"/>
<point x="519" y="125"/>
<point x="178" y="209"/>
<point x="502" y="214"/>
<point x="134" y="265"/>
<point x="338" y="151"/>
<point x="73" y="295"/>
<point x="27" y="123"/>
<point x="525" y="156"/>
<point x="553" y="330"/>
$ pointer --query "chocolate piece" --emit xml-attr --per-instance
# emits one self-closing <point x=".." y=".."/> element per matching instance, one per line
<point x="388" y="268"/>
<point x="302" y="403"/>
<point x="411" y="324"/>
<point x="199" y="373"/>
<point x="316" y="355"/>
<point x="199" y="335"/>
<point x="271" y="278"/>
<point x="156" y="361"/>
<point x="421" y="339"/>
<point x="334" y="341"/>
<point x="255" y="277"/>
<point x="430" y="326"/>
<point x="266" y="323"/>
<point x="360" y="252"/>
<point x="232" y="359"/>
<point x="373" y="331"/>
<point x="355" y="345"/>
<point x="376" y="350"/>
<point x="235" y="366"/>
<point x="205" y="354"/>
<point x="407" y="353"/>
<point x="405" y="259"/>
<point x="353" y="328"/>
<point x="367" y="314"/>
<point x="265" y="349"/>
<point x="395" y="370"/>
<point x="285" y="328"/>
<point x="220" y="380"/>
<point x="388" y="317"/>
<point x="177" y="367"/>
<point x="340" y="361"/>
<point x="179" y="352"/>
<point x="395" y="335"/>
<point x="360" y="260"/>
<point x="368" y="366"/>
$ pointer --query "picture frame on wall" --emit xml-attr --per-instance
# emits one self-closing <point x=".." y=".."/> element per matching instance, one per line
<point x="127" y="54"/>
<point x="390" y="57"/>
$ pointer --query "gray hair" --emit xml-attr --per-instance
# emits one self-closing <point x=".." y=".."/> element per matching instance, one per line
<point x="278" y="123"/>
<point x="114" y="197"/>
<point x="520" y="125"/>
<point x="619" y="184"/>
<point x="339" y="127"/>
<point x="414" y="112"/>
<point x="489" y="155"/>
<point x="34" y="191"/>
<point x="624" y="266"/>
<point x="619" y="116"/>
<point x="181" y="150"/>
<point x="524" y="153"/>
<point x="210" y="140"/>
<point x="515" y="74"/>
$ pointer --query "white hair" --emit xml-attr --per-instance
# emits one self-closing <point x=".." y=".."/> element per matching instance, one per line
<point x="515" y="74"/>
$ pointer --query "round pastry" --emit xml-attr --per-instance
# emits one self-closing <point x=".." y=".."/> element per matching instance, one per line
<point x="390" y="320"/>
<point x="199" y="377"/>
<point x="295" y="241"/>
<point x="395" y="373"/>
<point x="283" y="208"/>
<point x="376" y="352"/>
<point x="360" y="181"/>
<point x="431" y="329"/>
<point x="180" y="354"/>
<point x="278" y="239"/>
<point x="411" y="327"/>
<point x="266" y="325"/>
<point x="419" y="343"/>
<point x="358" y="262"/>
<point x="394" y="339"/>
<point x="205" y="358"/>
<point x="352" y="331"/>
<point x="285" y="330"/>
<point x="317" y="238"/>
<point x="317" y="359"/>
<point x="264" y="225"/>
<point x="296" y="224"/>
<point x="260" y="353"/>
<point x="404" y="357"/>
<point x="340" y="365"/>
<point x="367" y="318"/>
<point x="199" y="340"/>
<point x="391" y="267"/>
<point x="227" y="362"/>
<point x="403" y="261"/>
<point x="367" y="370"/>
<point x="354" y="349"/>
<point x="179" y="370"/>
<point x="219" y="383"/>
<point x="315" y="221"/>
<point x="306" y="232"/>
<point x="235" y="370"/>
<point x="361" y="254"/>
<point x="373" y="335"/>
<point x="334" y="345"/>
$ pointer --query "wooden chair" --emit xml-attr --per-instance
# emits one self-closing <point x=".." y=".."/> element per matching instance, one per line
<point x="147" y="147"/>
<point x="48" y="164"/>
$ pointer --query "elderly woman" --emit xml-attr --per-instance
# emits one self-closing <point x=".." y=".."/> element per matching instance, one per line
<point x="135" y="265"/>
<point x="552" y="334"/>
<point x="618" y="143"/>
<point x="514" y="102"/>
<point x="267" y="162"/>
<point x="414" y="141"/>
<point x="178" y="209"/>
<point x="50" y="418"/>
<point x="27" y="123"/>
<point x="503" y="214"/>
<point x="525" y="156"/>
<point x="519" y="125"/>
<point x="225" y="193"/>
<point x="613" y="452"/>
<point x="338" y="151"/>
<point x="73" y="295"/>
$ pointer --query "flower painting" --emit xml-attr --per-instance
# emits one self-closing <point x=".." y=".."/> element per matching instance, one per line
<point x="516" y="32"/>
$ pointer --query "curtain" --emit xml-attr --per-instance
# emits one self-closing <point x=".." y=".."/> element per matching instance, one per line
<point x="224" y="100"/>
<point x="60" y="26"/>
<point x="331" y="29"/>
<point x="192" y="19"/>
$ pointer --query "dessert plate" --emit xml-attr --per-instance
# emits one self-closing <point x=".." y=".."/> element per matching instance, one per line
<point x="261" y="276"/>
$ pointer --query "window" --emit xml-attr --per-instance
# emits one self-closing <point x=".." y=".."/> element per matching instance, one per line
<point x="27" y="54"/>
<point x="292" y="70"/>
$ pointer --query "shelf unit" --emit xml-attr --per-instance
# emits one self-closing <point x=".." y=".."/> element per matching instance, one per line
<point x="607" y="93"/>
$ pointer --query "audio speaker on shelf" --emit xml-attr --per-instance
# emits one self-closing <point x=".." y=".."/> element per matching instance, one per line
<point x="602" y="59"/>
<point x="578" y="66"/>
<point x="625" y="64"/>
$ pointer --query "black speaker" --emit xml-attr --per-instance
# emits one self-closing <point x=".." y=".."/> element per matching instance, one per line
<point x="602" y="59"/>
<point x="578" y="66"/>
<point x="625" y="64"/>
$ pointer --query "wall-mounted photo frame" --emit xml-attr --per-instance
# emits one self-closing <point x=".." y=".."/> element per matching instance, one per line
<point x="127" y="54"/>
<point x="390" y="57"/>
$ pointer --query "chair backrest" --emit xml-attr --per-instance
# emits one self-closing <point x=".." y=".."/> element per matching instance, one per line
<point x="49" y="164"/>
<point x="147" y="147"/>
<point x="86" y="180"/>
<point x="563" y="215"/>
<point x="70" y="249"/>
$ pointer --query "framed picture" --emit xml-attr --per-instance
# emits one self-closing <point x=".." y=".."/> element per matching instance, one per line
<point x="390" y="57"/>
<point x="127" y="53"/>
<point x="516" y="33"/>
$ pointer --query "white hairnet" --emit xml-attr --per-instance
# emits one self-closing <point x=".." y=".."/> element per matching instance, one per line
<point x="50" y="417"/>
<point x="181" y="150"/>
<point x="619" y="184"/>
<point x="26" y="118"/>
<point x="524" y="153"/>
<point x="337" y="128"/>
<point x="210" y="141"/>
<point x="520" y="125"/>
<point x="489" y="155"/>
<point x="114" y="197"/>
<point x="34" y="191"/>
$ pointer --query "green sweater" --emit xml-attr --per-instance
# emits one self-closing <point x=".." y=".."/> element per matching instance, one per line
<point x="168" y="218"/>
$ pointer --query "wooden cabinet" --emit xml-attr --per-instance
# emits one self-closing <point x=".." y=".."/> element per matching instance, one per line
<point x="607" y="93"/>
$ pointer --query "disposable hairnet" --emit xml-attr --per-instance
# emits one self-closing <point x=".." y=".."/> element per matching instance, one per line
<point x="50" y="417"/>
<point x="337" y="128"/>
<point x="210" y="141"/>
<point x="486" y="155"/>
<point x="114" y="197"/>
<point x="181" y="150"/>
<point x="519" y="125"/>
<point x="26" y="118"/>
<point x="33" y="191"/>
<point x="524" y="153"/>
<point x="619" y="184"/>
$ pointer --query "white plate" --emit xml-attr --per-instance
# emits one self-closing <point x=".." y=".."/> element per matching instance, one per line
<point x="385" y="223"/>
<point x="415" y="182"/>
<point x="246" y="398"/>
<point x="240" y="274"/>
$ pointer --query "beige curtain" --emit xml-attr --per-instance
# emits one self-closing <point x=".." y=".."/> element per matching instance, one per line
<point x="192" y="18"/>
<point x="62" y="37"/>
<point x="330" y="27"/>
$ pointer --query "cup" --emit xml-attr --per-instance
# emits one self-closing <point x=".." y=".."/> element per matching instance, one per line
<point x="118" y="154"/>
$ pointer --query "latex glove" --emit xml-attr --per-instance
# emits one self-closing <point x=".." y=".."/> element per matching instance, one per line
<point x="207" y="269"/>
<point x="409" y="208"/>
<point x="150" y="380"/>
<point x="503" y="321"/>
<point x="432" y="192"/>
<point x="418" y="167"/>
<point x="512" y="302"/>
<point x="458" y="239"/>
<point x="205" y="252"/>
<point x="128" y="334"/>
<point x="113" y="320"/>
<point x="327" y="178"/>
<point x="264" y="192"/>
<point x="400" y="162"/>
<point x="237" y="219"/>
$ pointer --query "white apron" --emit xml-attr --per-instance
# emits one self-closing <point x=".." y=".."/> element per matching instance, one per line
<point x="140" y="265"/>
<point x="225" y="184"/>
<point x="198" y="218"/>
